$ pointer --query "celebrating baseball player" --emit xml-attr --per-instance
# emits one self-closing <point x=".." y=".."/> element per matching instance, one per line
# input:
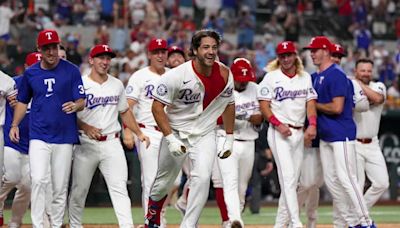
<point x="176" y="56"/>
<point x="139" y="93"/>
<point x="286" y="96"/>
<point x="233" y="173"/>
<point x="16" y="160"/>
<point x="370" y="160"/>
<point x="100" y="145"/>
<point x="57" y="93"/>
<point x="337" y="133"/>
<point x="187" y="102"/>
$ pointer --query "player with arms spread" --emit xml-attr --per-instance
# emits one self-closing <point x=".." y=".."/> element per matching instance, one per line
<point x="195" y="94"/>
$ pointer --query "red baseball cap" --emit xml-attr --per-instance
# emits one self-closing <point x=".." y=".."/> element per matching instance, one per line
<point x="33" y="58"/>
<point x="286" y="47"/>
<point x="175" y="48"/>
<point x="337" y="49"/>
<point x="319" y="42"/>
<point x="157" y="43"/>
<point x="242" y="70"/>
<point x="101" y="49"/>
<point x="46" y="37"/>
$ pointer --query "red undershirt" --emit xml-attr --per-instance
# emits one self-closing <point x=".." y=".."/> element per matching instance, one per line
<point x="213" y="84"/>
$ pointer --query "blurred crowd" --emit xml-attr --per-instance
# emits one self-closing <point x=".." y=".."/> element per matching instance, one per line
<point x="362" y="26"/>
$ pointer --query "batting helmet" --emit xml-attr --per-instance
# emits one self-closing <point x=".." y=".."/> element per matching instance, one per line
<point x="242" y="70"/>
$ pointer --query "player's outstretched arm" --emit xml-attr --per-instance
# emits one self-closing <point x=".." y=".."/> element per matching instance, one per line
<point x="311" y="131"/>
<point x="335" y="107"/>
<point x="130" y="121"/>
<point x="19" y="113"/>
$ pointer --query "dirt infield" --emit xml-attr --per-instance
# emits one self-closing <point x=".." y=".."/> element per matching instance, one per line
<point x="218" y="226"/>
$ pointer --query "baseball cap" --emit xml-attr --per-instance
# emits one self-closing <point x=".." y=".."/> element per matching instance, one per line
<point x="319" y="42"/>
<point x="242" y="70"/>
<point x="157" y="43"/>
<point x="337" y="49"/>
<point x="101" y="49"/>
<point x="285" y="47"/>
<point x="46" y="37"/>
<point x="32" y="58"/>
<point x="175" y="48"/>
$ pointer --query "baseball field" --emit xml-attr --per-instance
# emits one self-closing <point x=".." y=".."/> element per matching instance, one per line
<point x="384" y="216"/>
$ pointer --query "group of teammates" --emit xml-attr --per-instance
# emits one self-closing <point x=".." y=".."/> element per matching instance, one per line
<point x="196" y="94"/>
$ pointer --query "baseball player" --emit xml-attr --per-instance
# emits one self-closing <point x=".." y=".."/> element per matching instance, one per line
<point x="337" y="131"/>
<point x="176" y="56"/>
<point x="139" y="93"/>
<point x="100" y="145"/>
<point x="57" y="93"/>
<point x="231" y="175"/>
<point x="370" y="160"/>
<point x="286" y="96"/>
<point x="187" y="102"/>
<point x="16" y="160"/>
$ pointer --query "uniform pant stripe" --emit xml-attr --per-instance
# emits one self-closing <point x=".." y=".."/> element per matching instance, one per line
<point x="352" y="182"/>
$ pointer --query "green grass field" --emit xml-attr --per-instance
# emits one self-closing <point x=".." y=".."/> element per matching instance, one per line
<point x="210" y="215"/>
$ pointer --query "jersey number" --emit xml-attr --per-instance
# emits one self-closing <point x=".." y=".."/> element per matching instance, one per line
<point x="81" y="89"/>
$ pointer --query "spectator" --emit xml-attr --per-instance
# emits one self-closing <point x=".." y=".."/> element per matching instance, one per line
<point x="107" y="10"/>
<point x="363" y="38"/>
<point x="245" y="28"/>
<point x="79" y="10"/>
<point x="394" y="91"/>
<point x="155" y="17"/>
<point x="6" y="14"/>
<point x="186" y="8"/>
<point x="345" y="12"/>
<point x="387" y="71"/>
<point x="138" y="11"/>
<point x="119" y="36"/>
<point x="214" y="22"/>
<point x="292" y="27"/>
<point x="72" y="51"/>
<point x="125" y="74"/>
<point x="273" y="28"/>
<point x="64" y="11"/>
<point x="92" y="13"/>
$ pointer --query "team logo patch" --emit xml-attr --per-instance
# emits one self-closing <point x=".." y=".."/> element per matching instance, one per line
<point x="162" y="90"/>
<point x="264" y="91"/>
<point x="227" y="92"/>
<point x="129" y="89"/>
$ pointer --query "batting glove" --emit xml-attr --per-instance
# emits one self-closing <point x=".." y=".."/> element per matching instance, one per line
<point x="175" y="146"/>
<point x="227" y="147"/>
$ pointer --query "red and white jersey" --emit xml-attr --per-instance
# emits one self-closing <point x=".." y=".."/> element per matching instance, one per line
<point x="246" y="104"/>
<point x="288" y="96"/>
<point x="183" y="93"/>
<point x="7" y="89"/>
<point x="140" y="88"/>
<point x="368" y="122"/>
<point x="103" y="103"/>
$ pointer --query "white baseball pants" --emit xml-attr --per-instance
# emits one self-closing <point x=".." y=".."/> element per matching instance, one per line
<point x="201" y="155"/>
<point x="16" y="174"/>
<point x="56" y="158"/>
<point x="370" y="161"/>
<point x="1" y="152"/>
<point x="148" y="162"/>
<point x="339" y="167"/>
<point x="109" y="157"/>
<point x="288" y="154"/>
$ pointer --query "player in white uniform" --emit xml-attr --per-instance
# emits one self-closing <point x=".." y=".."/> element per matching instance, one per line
<point x="188" y="101"/>
<point x="139" y="93"/>
<point x="286" y="96"/>
<point x="370" y="160"/>
<point x="100" y="145"/>
<point x="233" y="173"/>
<point x="56" y="90"/>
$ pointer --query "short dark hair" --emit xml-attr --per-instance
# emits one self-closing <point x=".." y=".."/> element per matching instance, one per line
<point x="196" y="39"/>
<point x="364" y="60"/>
<point x="62" y="47"/>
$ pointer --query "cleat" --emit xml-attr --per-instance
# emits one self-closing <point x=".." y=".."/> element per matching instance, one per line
<point x="236" y="224"/>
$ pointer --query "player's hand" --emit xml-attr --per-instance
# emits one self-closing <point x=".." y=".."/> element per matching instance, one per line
<point x="227" y="147"/>
<point x="175" y="146"/>
<point x="284" y="130"/>
<point x="14" y="134"/>
<point x="143" y="138"/>
<point x="12" y="101"/>
<point x="92" y="132"/>
<point x="127" y="139"/>
<point x="310" y="134"/>
<point x="69" y="107"/>
<point x="268" y="169"/>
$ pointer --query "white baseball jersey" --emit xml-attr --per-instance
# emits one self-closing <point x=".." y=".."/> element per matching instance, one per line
<point x="103" y="104"/>
<point x="246" y="104"/>
<point x="368" y="122"/>
<point x="361" y="103"/>
<point x="183" y="92"/>
<point x="140" y="88"/>
<point x="288" y="96"/>
<point x="7" y="89"/>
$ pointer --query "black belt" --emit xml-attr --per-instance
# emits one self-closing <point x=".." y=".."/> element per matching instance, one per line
<point x="295" y="127"/>
<point x="365" y="140"/>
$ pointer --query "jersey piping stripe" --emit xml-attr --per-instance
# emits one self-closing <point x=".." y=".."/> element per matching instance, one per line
<point x="346" y="156"/>
<point x="161" y="100"/>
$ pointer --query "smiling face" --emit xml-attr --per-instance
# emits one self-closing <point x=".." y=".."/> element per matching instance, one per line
<point x="287" y="61"/>
<point x="363" y="72"/>
<point x="49" y="55"/>
<point x="175" y="59"/>
<point x="101" y="64"/>
<point x="158" y="59"/>
<point x="207" y="52"/>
